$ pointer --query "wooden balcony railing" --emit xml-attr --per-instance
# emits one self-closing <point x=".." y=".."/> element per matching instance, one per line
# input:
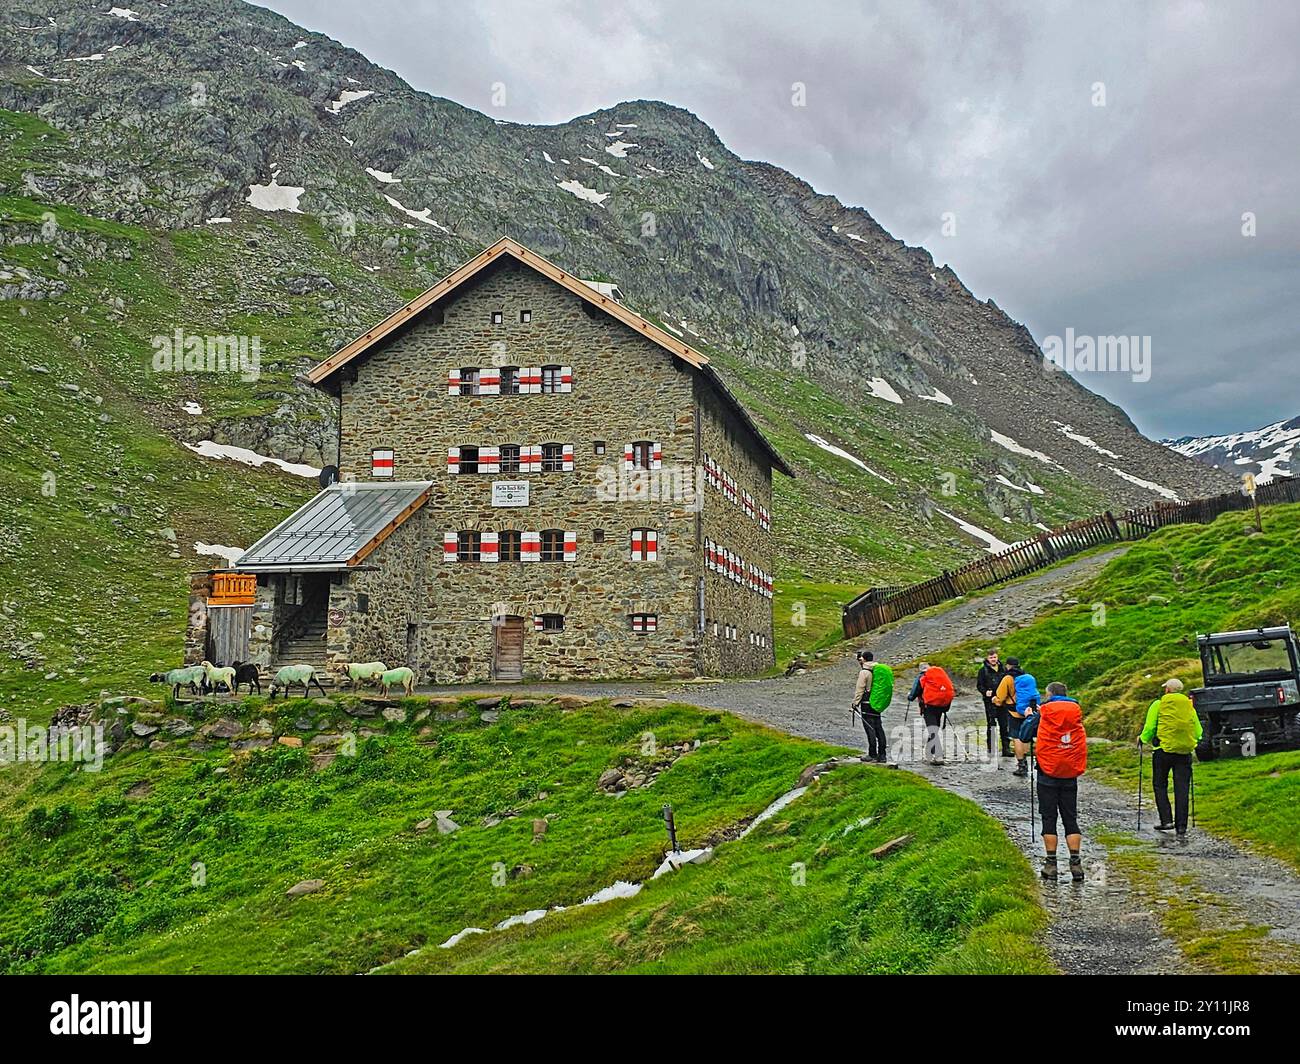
<point x="233" y="589"/>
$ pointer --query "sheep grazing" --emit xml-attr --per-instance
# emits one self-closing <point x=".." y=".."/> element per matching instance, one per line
<point x="191" y="675"/>
<point x="403" y="676"/>
<point x="357" y="673"/>
<point x="246" y="673"/>
<point x="291" y="675"/>
<point x="219" y="675"/>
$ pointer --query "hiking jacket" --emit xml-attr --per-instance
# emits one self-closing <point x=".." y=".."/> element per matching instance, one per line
<point x="1172" y="724"/>
<point x="990" y="679"/>
<point x="863" y="688"/>
<point x="1006" y="692"/>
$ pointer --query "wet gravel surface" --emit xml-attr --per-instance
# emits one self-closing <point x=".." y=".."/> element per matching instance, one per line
<point x="1110" y="923"/>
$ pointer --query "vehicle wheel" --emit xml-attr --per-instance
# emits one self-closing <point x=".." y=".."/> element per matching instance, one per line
<point x="1207" y="751"/>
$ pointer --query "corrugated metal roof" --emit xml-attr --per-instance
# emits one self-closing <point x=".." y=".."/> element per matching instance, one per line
<point x="335" y="526"/>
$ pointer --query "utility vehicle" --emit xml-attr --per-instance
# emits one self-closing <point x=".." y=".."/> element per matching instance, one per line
<point x="1251" y="698"/>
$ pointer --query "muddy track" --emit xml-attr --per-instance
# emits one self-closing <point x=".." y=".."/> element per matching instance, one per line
<point x="1109" y="924"/>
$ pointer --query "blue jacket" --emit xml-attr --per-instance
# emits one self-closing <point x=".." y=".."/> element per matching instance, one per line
<point x="1026" y="693"/>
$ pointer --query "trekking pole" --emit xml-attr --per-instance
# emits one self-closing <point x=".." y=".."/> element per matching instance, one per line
<point x="1032" y="788"/>
<point x="1193" y="799"/>
<point x="1139" y="785"/>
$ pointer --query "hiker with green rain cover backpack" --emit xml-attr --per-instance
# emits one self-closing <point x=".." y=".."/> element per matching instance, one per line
<point x="871" y="697"/>
<point x="1172" y="729"/>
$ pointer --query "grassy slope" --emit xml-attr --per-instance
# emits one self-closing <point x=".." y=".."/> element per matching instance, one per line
<point x="92" y="879"/>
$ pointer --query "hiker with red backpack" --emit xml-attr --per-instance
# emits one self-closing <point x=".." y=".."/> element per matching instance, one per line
<point x="1061" y="745"/>
<point x="933" y="690"/>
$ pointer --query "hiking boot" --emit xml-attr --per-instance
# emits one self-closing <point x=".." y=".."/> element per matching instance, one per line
<point x="1164" y="827"/>
<point x="1076" y="868"/>
<point x="1049" y="868"/>
<point x="1182" y="836"/>
<point x="1021" y="769"/>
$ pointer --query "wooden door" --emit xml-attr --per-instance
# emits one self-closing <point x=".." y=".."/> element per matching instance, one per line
<point x="508" y="651"/>
<point x="228" y="631"/>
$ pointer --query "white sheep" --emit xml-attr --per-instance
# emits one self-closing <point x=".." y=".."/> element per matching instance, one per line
<point x="403" y="676"/>
<point x="192" y="675"/>
<point x="359" y="673"/>
<point x="290" y="675"/>
<point x="217" y="676"/>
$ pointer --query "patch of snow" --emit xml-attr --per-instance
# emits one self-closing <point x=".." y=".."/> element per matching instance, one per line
<point x="86" y="58"/>
<point x="231" y="554"/>
<point x="460" y="936"/>
<point x="674" y="329"/>
<point x="124" y="12"/>
<point x="879" y="388"/>
<point x="547" y="157"/>
<point x="1150" y="485"/>
<point x="600" y="166"/>
<point x="673" y="861"/>
<point x="211" y="449"/>
<point x="530" y="917"/>
<point x="275" y="197"/>
<point x="1015" y="448"/>
<point x="992" y="543"/>
<point x="299" y="64"/>
<point x="707" y="165"/>
<point x="625" y="125"/>
<point x="937" y="397"/>
<point x="773" y="809"/>
<point x="46" y="76"/>
<point x="219" y="221"/>
<point x="577" y="188"/>
<point x="619" y="889"/>
<point x="191" y="407"/>
<point x="420" y="216"/>
<point x="854" y="236"/>
<point x="1028" y="486"/>
<point x="346" y="97"/>
<point x="383" y="175"/>
<point x="300" y="44"/>
<point x="1086" y="441"/>
<point x="655" y="169"/>
<point x="619" y="148"/>
<point x="841" y="453"/>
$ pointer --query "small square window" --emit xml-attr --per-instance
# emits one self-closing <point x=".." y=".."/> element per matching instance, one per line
<point x="525" y="316"/>
<point x="644" y="623"/>
<point x="552" y="622"/>
<point x="363" y="602"/>
<point x="497" y="317"/>
<point x="597" y="535"/>
<point x="598" y="446"/>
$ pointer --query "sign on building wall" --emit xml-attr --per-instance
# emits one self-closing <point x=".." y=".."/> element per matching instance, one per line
<point x="509" y="493"/>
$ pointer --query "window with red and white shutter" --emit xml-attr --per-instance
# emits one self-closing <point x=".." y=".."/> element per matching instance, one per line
<point x="644" y="623"/>
<point x="381" y="463"/>
<point x="489" y="381"/>
<point x="571" y="546"/>
<point x="644" y="545"/>
<point x="453" y="382"/>
<point x="488" y="547"/>
<point x="450" y="546"/>
<point x="530" y="546"/>
<point x="566" y="458"/>
<point x="453" y="459"/>
<point x="489" y="459"/>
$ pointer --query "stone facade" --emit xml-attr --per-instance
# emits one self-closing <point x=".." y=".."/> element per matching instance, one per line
<point x="438" y="615"/>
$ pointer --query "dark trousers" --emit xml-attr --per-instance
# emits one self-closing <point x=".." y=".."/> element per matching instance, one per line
<point x="875" y="729"/>
<point x="933" y="732"/>
<point x="1058" y="796"/>
<point x="1181" y="766"/>
<point x="995" y="717"/>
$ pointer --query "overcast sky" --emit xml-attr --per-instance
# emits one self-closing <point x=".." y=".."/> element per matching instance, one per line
<point x="1098" y="157"/>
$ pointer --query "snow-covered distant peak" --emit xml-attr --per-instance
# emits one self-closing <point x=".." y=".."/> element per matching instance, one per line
<point x="1272" y="451"/>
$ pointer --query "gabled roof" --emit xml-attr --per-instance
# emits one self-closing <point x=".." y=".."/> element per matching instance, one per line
<point x="336" y="529"/>
<point x="505" y="247"/>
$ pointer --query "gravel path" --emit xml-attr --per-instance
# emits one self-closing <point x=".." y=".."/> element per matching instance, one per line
<point x="1109" y="924"/>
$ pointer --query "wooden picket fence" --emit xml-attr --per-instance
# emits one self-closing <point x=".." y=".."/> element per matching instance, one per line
<point x="878" y="606"/>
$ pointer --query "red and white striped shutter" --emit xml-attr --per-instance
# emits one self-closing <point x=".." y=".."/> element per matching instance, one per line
<point x="489" y="381"/>
<point x="638" y="623"/>
<point x="708" y="554"/>
<point x="567" y="458"/>
<point x="566" y="378"/>
<point x="489" y="460"/>
<point x="652" y="546"/>
<point x="635" y="545"/>
<point x="489" y="547"/>
<point x="570" y="546"/>
<point x="450" y="545"/>
<point x="538" y="623"/>
<point x="627" y="456"/>
<point x="530" y="458"/>
<point x="453" y="459"/>
<point x="453" y="382"/>
<point x="381" y="463"/>
<point x="651" y="622"/>
<point x="530" y="546"/>
<point x="656" y="455"/>
<point x="534" y="380"/>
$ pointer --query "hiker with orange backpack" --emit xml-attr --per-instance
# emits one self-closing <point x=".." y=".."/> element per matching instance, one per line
<point x="933" y="690"/>
<point x="1056" y="729"/>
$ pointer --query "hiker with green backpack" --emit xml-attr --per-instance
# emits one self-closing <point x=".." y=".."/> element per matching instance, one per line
<point x="1172" y="730"/>
<point x="871" y="697"/>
